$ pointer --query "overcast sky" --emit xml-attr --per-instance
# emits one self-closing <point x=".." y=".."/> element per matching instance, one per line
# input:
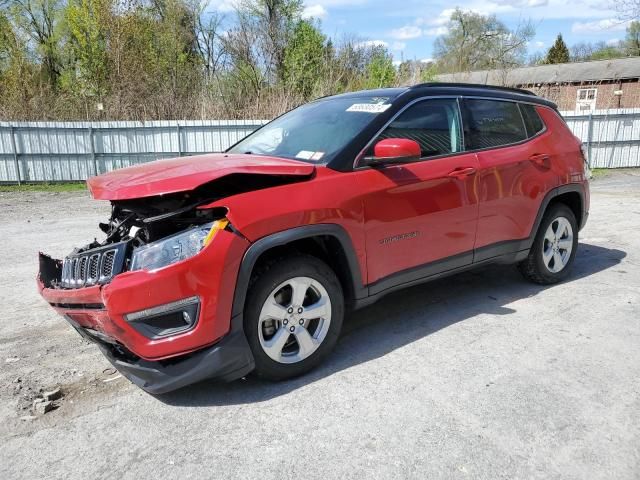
<point x="409" y="27"/>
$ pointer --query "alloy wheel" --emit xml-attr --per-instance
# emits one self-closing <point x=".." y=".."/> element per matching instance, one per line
<point x="294" y="320"/>
<point x="557" y="245"/>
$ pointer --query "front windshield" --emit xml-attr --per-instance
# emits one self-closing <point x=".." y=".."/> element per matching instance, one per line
<point x="314" y="132"/>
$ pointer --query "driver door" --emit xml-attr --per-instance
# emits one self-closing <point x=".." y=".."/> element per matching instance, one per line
<point x="421" y="217"/>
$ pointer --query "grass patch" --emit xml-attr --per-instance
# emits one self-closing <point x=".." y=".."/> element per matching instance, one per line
<point x="600" y="172"/>
<point x="607" y="172"/>
<point x="45" y="187"/>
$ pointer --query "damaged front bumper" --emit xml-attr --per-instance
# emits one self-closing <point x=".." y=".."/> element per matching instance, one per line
<point x="122" y="316"/>
<point x="227" y="360"/>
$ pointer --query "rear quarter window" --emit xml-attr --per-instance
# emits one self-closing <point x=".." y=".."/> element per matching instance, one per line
<point x="492" y="123"/>
<point x="532" y="120"/>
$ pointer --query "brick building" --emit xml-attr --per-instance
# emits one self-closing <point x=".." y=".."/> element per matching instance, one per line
<point x="580" y="87"/>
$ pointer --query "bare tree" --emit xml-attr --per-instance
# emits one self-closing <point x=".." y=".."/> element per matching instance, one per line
<point x="273" y="21"/>
<point x="164" y="59"/>
<point x="247" y="68"/>
<point x="210" y="46"/>
<point x="627" y="9"/>
<point x="38" y="19"/>
<point x="476" y="42"/>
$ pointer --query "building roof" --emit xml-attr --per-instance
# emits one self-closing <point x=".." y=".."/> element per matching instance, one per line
<point x="594" y="71"/>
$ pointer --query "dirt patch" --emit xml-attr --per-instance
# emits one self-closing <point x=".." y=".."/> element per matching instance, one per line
<point x="38" y="349"/>
<point x="83" y="393"/>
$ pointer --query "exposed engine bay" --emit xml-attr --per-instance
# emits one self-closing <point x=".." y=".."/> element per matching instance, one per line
<point x="148" y="219"/>
<point x="144" y="222"/>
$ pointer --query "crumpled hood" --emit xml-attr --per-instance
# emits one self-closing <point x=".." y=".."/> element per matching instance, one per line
<point x="187" y="173"/>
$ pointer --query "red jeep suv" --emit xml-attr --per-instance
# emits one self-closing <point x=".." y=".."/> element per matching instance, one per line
<point x="215" y="266"/>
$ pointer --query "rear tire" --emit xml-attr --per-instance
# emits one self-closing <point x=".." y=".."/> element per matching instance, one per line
<point x="293" y="316"/>
<point x="554" y="248"/>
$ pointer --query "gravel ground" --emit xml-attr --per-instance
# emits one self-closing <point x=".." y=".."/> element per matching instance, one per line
<point x="482" y="375"/>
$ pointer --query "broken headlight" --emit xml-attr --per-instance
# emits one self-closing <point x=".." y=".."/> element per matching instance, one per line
<point x="175" y="248"/>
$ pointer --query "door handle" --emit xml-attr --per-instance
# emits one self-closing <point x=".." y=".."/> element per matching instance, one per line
<point x="541" y="159"/>
<point x="462" y="172"/>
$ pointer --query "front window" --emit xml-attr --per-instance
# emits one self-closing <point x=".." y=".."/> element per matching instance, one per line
<point x="433" y="124"/>
<point x="314" y="132"/>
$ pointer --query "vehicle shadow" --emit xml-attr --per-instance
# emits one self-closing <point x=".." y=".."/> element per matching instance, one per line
<point x="400" y="319"/>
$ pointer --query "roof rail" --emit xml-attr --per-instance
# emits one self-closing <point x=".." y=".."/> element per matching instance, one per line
<point x="473" y="85"/>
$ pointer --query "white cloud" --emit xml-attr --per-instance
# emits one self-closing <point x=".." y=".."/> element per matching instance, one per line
<point x="599" y="26"/>
<point x="435" y="31"/>
<point x="438" y="25"/>
<point x="427" y="60"/>
<point x="443" y="18"/>
<point x="397" y="63"/>
<point x="339" y="3"/>
<point x="223" y="5"/>
<point x="398" y="46"/>
<point x="315" y="11"/>
<point x="509" y="11"/>
<point x="312" y="9"/>
<point x="613" y="42"/>
<point x="522" y="3"/>
<point x="433" y="27"/>
<point x="373" y="43"/>
<point x="406" y="33"/>
<point x="594" y="16"/>
<point x="544" y="10"/>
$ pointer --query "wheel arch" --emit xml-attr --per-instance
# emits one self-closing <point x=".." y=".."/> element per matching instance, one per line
<point x="329" y="242"/>
<point x="571" y="195"/>
<point x="572" y="199"/>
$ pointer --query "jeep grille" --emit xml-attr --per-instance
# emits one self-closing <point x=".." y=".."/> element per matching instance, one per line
<point x="93" y="267"/>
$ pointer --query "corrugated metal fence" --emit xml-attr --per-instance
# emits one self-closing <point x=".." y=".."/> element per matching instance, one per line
<point x="612" y="137"/>
<point x="54" y="151"/>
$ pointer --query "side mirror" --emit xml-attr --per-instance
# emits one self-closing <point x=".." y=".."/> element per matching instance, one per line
<point x="394" y="150"/>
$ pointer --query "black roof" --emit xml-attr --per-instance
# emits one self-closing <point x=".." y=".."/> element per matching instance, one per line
<point x="467" y="89"/>
<point x="475" y="90"/>
<point x="378" y="92"/>
<point x="472" y="85"/>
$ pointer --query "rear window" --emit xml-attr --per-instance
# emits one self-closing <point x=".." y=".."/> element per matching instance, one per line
<point x="492" y="123"/>
<point x="532" y="120"/>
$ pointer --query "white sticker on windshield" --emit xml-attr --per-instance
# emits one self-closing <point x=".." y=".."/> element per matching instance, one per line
<point x="368" y="107"/>
<point x="317" y="156"/>
<point x="304" y="154"/>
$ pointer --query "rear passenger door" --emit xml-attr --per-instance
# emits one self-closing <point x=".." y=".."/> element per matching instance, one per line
<point x="514" y="156"/>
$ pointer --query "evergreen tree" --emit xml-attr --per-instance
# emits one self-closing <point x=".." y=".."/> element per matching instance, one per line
<point x="558" y="53"/>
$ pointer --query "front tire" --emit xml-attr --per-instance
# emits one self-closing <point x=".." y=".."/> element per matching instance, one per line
<point x="293" y="316"/>
<point x="554" y="248"/>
